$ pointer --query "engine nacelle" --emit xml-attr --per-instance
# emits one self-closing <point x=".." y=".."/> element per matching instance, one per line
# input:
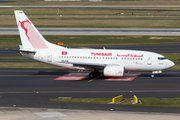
<point x="114" y="71"/>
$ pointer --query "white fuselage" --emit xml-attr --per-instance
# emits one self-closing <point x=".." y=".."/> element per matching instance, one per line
<point x="111" y="62"/>
<point x="131" y="60"/>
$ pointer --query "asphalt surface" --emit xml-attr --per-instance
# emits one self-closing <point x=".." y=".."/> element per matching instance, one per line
<point x="98" y="31"/>
<point x="20" y="87"/>
<point x="91" y="6"/>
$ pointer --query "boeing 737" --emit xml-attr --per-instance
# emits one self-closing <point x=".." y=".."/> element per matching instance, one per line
<point x="112" y="63"/>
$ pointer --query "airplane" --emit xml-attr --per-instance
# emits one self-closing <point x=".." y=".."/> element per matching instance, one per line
<point x="112" y="63"/>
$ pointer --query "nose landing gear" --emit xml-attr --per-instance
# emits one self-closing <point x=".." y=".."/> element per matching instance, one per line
<point x="152" y="76"/>
<point x="155" y="72"/>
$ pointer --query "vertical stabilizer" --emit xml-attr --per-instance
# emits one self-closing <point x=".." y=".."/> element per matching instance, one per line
<point x="30" y="36"/>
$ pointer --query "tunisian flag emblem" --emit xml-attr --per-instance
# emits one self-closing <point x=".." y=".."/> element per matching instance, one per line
<point x="64" y="52"/>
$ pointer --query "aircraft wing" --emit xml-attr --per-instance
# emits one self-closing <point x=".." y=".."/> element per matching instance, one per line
<point x="87" y="65"/>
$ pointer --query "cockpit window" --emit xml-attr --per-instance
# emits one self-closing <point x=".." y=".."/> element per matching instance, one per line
<point x="161" y="58"/>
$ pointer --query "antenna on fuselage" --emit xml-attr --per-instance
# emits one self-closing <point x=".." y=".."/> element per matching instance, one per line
<point x="104" y="48"/>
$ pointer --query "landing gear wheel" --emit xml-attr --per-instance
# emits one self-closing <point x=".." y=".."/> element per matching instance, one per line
<point x="152" y="76"/>
<point x="96" y="73"/>
<point x="91" y="75"/>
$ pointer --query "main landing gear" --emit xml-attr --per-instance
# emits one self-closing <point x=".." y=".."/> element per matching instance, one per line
<point x="93" y="74"/>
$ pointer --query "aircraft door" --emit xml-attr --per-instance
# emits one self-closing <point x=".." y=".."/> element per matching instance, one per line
<point x="149" y="60"/>
<point x="49" y="57"/>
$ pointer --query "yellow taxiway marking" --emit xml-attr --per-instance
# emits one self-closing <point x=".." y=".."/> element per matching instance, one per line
<point x="94" y="78"/>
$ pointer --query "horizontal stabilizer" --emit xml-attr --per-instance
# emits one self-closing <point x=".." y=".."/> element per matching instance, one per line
<point x="21" y="50"/>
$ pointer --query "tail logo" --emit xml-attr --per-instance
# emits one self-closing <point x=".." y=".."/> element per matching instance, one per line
<point x="33" y="36"/>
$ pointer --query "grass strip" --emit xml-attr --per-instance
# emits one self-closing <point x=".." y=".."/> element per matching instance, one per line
<point x="14" y="57"/>
<point x="172" y="56"/>
<point x="175" y="67"/>
<point x="127" y="101"/>
<point x="26" y="65"/>
<point x="13" y="41"/>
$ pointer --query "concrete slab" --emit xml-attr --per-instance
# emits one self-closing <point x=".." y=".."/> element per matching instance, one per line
<point x="15" y="113"/>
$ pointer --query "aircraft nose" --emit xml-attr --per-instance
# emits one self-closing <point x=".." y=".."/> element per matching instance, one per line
<point x="170" y="63"/>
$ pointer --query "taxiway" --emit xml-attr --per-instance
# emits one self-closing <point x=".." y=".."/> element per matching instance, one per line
<point x="98" y="31"/>
<point x="34" y="87"/>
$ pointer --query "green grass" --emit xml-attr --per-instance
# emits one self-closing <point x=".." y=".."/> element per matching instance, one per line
<point x="26" y="65"/>
<point x="127" y="101"/>
<point x="46" y="17"/>
<point x="85" y="100"/>
<point x="172" y="56"/>
<point x="175" y="67"/>
<point x="14" y="57"/>
<point x="111" y="40"/>
<point x="14" y="40"/>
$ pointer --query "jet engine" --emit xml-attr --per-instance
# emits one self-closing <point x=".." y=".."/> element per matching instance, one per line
<point x="114" y="71"/>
